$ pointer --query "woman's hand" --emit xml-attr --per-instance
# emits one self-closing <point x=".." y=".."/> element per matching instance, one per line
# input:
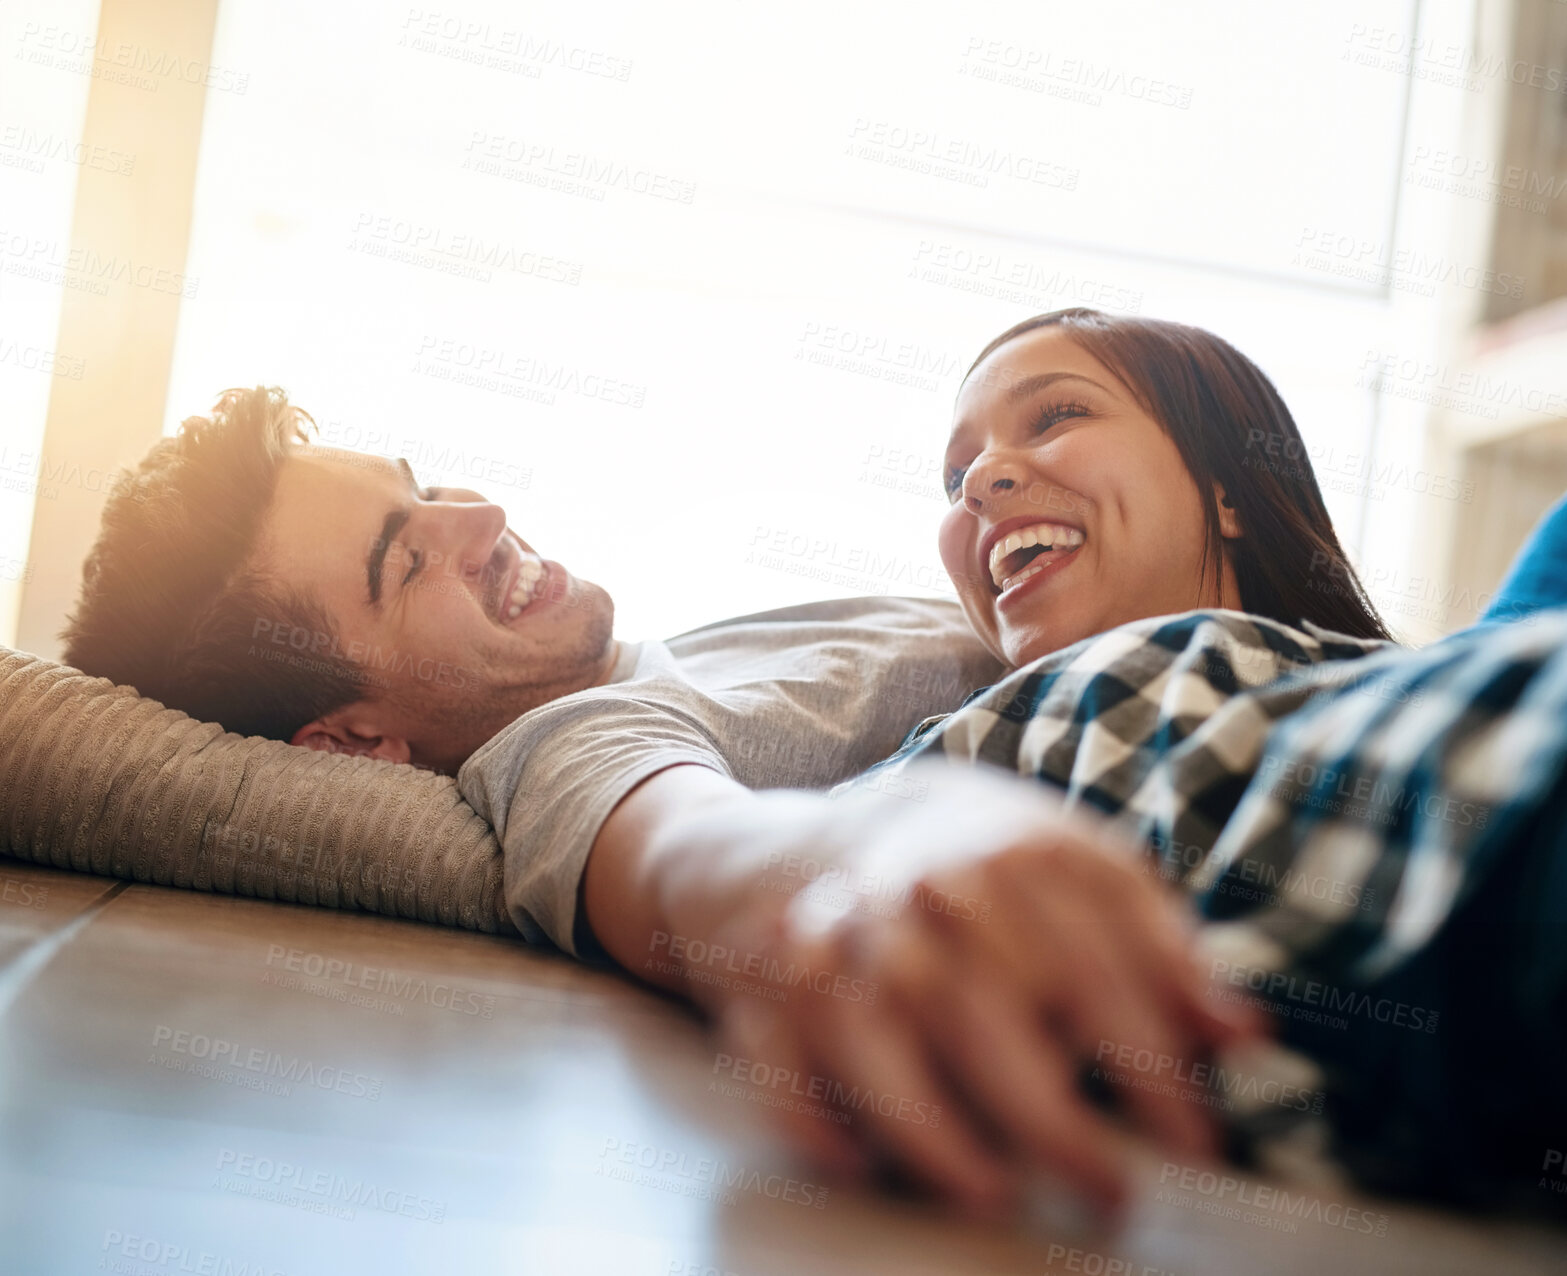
<point x="933" y="968"/>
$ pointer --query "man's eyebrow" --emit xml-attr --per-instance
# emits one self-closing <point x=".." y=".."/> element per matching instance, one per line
<point x="390" y="526"/>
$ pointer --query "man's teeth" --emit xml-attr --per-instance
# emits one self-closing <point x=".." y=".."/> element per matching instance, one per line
<point x="1048" y="535"/>
<point x="528" y="577"/>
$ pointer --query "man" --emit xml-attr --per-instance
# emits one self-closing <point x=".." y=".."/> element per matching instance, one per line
<point x="321" y="597"/>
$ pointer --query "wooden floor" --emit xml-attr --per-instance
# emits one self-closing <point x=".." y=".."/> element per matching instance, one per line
<point x="192" y="1083"/>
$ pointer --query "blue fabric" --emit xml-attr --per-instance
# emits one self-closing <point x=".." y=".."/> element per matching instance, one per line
<point x="1538" y="577"/>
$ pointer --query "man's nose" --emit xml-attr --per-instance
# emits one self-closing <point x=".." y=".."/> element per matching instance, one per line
<point x="469" y="533"/>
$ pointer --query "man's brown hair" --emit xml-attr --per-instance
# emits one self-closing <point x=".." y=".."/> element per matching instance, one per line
<point x="170" y="601"/>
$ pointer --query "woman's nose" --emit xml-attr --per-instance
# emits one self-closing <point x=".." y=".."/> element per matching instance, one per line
<point x="986" y="480"/>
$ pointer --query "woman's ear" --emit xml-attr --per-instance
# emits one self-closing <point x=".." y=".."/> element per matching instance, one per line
<point x="1229" y="520"/>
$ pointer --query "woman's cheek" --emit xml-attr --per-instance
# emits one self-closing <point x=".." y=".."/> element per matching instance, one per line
<point x="951" y="544"/>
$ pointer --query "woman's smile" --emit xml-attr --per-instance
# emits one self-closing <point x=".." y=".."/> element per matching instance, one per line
<point x="1044" y="568"/>
<point x="1013" y="556"/>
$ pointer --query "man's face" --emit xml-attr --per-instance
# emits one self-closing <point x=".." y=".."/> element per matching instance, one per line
<point x="461" y="626"/>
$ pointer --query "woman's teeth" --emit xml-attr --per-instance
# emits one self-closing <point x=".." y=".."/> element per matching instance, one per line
<point x="1047" y="536"/>
<point x="1033" y="569"/>
<point x="528" y="577"/>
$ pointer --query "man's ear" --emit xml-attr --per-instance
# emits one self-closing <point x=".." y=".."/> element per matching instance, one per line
<point x="352" y="730"/>
<point x="1229" y="520"/>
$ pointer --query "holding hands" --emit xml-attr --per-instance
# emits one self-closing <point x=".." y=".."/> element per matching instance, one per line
<point x="938" y="971"/>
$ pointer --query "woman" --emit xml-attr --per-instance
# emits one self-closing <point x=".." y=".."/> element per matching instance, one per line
<point x="1105" y="469"/>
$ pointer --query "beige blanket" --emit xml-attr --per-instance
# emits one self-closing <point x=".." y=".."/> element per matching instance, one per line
<point x="94" y="777"/>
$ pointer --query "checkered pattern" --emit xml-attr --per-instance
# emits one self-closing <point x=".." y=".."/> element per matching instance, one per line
<point x="1094" y="719"/>
<point x="1373" y="836"/>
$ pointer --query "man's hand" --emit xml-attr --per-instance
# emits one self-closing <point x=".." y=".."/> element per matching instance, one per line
<point x="938" y="965"/>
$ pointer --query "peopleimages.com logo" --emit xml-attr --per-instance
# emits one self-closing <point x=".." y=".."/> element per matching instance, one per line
<point x="1315" y="1001"/>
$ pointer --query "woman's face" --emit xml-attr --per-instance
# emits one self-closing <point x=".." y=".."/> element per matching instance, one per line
<point x="1049" y="449"/>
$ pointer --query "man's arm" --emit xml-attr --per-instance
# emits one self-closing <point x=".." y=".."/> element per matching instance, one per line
<point x="944" y="1006"/>
<point x="639" y="856"/>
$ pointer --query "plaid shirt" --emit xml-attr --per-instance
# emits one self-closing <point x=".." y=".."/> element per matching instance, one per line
<point x="1367" y="832"/>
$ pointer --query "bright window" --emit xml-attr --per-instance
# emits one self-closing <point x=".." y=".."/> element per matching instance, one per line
<point x="690" y="290"/>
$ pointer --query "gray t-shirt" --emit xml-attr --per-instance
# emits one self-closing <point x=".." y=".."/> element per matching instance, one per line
<point x="801" y="697"/>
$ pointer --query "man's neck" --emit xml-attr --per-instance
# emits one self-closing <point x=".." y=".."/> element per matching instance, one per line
<point x="607" y="669"/>
<point x="604" y="672"/>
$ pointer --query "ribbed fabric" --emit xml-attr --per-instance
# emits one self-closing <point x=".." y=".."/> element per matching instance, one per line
<point x="96" y="778"/>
